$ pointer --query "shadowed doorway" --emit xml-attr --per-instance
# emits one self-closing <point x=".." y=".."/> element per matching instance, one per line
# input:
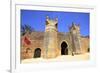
<point x="64" y="48"/>
<point x="37" y="53"/>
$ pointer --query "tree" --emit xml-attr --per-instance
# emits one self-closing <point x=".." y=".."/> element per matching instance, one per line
<point x="26" y="29"/>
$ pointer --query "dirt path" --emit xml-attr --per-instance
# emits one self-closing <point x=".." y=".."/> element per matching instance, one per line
<point x="59" y="58"/>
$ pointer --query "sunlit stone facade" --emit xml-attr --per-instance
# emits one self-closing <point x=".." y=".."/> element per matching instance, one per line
<point x="51" y="43"/>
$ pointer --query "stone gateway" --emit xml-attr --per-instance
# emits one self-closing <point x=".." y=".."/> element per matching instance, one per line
<point x="51" y="43"/>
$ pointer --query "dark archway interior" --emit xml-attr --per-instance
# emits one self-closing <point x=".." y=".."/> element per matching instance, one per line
<point x="37" y="53"/>
<point x="64" y="49"/>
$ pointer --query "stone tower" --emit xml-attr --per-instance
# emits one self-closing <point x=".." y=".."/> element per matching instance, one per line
<point x="50" y="38"/>
<point x="76" y="38"/>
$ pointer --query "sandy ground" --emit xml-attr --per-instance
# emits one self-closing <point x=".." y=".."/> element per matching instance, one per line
<point x="59" y="58"/>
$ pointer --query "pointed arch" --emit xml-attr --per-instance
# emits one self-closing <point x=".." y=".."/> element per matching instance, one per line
<point x="37" y="53"/>
<point x="64" y="48"/>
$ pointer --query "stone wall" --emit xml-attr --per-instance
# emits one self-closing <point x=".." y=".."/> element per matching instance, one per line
<point x="85" y="43"/>
<point x="37" y="41"/>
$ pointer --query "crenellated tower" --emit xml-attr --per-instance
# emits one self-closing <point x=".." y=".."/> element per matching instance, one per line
<point x="50" y="38"/>
<point x="76" y="38"/>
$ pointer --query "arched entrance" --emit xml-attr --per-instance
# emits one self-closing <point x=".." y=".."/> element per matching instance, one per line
<point x="37" y="53"/>
<point x="64" y="48"/>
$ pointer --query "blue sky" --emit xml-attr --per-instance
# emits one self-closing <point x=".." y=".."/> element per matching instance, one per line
<point x="36" y="19"/>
